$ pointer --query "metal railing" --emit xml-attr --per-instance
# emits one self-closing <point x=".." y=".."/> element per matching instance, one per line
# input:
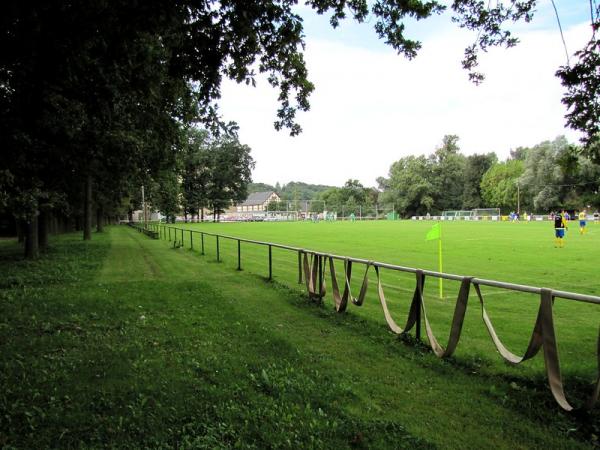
<point x="313" y="272"/>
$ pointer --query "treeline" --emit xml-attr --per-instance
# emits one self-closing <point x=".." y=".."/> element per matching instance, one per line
<point x="212" y="172"/>
<point x="549" y="176"/>
<point x="292" y="191"/>
<point x="99" y="98"/>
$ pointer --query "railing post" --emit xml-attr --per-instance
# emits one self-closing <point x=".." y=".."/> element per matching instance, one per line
<point x="169" y="228"/>
<point x="202" y="240"/>
<point x="418" y="328"/>
<point x="319" y="266"/>
<point x="218" y="256"/>
<point x="239" y="255"/>
<point x="191" y="241"/>
<point x="299" y="267"/>
<point x="182" y="237"/>
<point x="420" y="279"/>
<point x="270" y="263"/>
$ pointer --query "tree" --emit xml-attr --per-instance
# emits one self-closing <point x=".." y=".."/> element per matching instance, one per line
<point x="448" y="167"/>
<point x="353" y="188"/>
<point x="519" y="153"/>
<point x="332" y="198"/>
<point x="83" y="98"/>
<point x="582" y="95"/>
<point x="197" y="171"/>
<point x="165" y="194"/>
<point x="409" y="186"/>
<point x="499" y="184"/>
<point x="542" y="180"/>
<point x="231" y="173"/>
<point x="557" y="175"/>
<point x="475" y="167"/>
<point x="351" y="206"/>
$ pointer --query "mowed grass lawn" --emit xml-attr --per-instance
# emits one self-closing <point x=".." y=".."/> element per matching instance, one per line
<point x="127" y="342"/>
<point x="522" y="253"/>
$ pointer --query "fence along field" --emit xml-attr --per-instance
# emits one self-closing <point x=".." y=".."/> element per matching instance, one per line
<point x="513" y="314"/>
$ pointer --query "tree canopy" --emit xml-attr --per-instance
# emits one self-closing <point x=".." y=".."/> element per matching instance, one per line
<point x="549" y="176"/>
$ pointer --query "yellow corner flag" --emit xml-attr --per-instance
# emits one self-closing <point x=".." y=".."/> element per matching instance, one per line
<point x="436" y="233"/>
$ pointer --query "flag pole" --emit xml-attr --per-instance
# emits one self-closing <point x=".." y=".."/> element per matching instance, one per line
<point x="440" y="280"/>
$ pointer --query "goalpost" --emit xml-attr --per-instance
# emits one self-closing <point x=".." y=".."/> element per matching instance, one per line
<point x="456" y="214"/>
<point x="284" y="216"/>
<point x="487" y="213"/>
<point x="472" y="214"/>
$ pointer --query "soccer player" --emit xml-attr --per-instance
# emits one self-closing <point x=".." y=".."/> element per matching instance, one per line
<point x="582" y="223"/>
<point x="559" y="230"/>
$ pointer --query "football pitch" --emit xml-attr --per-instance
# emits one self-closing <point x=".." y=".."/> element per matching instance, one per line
<point x="521" y="253"/>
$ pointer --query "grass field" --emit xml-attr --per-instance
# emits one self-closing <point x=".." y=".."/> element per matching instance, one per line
<point x="521" y="253"/>
<point x="127" y="342"/>
<point x="517" y="252"/>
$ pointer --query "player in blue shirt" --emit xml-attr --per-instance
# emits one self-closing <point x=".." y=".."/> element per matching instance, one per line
<point x="559" y="230"/>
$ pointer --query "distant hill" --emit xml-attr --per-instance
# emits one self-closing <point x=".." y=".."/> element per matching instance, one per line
<point x="292" y="190"/>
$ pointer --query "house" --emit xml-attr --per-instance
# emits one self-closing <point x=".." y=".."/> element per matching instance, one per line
<point x="258" y="201"/>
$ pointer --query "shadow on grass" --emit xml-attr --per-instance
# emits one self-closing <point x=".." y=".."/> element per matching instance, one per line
<point x="528" y="397"/>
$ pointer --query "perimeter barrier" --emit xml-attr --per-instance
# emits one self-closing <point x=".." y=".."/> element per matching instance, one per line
<point x="312" y="269"/>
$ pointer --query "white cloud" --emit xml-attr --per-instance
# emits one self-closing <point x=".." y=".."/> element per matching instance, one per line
<point x="372" y="107"/>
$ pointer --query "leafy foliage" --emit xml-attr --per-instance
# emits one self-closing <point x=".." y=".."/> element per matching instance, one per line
<point x="488" y="21"/>
<point x="582" y="97"/>
<point x="409" y="186"/>
<point x="499" y="184"/>
<point x="558" y="176"/>
<point x="475" y="167"/>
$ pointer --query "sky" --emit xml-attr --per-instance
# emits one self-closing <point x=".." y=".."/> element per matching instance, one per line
<point x="372" y="107"/>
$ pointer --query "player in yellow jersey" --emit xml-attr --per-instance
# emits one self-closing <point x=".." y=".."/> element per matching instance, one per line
<point x="559" y="229"/>
<point x="582" y="222"/>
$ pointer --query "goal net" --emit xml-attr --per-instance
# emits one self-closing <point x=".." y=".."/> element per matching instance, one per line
<point x="486" y="212"/>
<point x="281" y="216"/>
<point x="456" y="213"/>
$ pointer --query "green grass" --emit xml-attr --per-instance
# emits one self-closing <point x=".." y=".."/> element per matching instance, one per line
<point x="127" y="342"/>
<point x="521" y="253"/>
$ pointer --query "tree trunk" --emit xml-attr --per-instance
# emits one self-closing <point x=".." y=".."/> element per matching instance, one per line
<point x="51" y="224"/>
<point x="87" y="210"/>
<point x="20" y="230"/>
<point x="99" y="220"/>
<point x="31" y="239"/>
<point x="43" y="230"/>
<point x="201" y="214"/>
